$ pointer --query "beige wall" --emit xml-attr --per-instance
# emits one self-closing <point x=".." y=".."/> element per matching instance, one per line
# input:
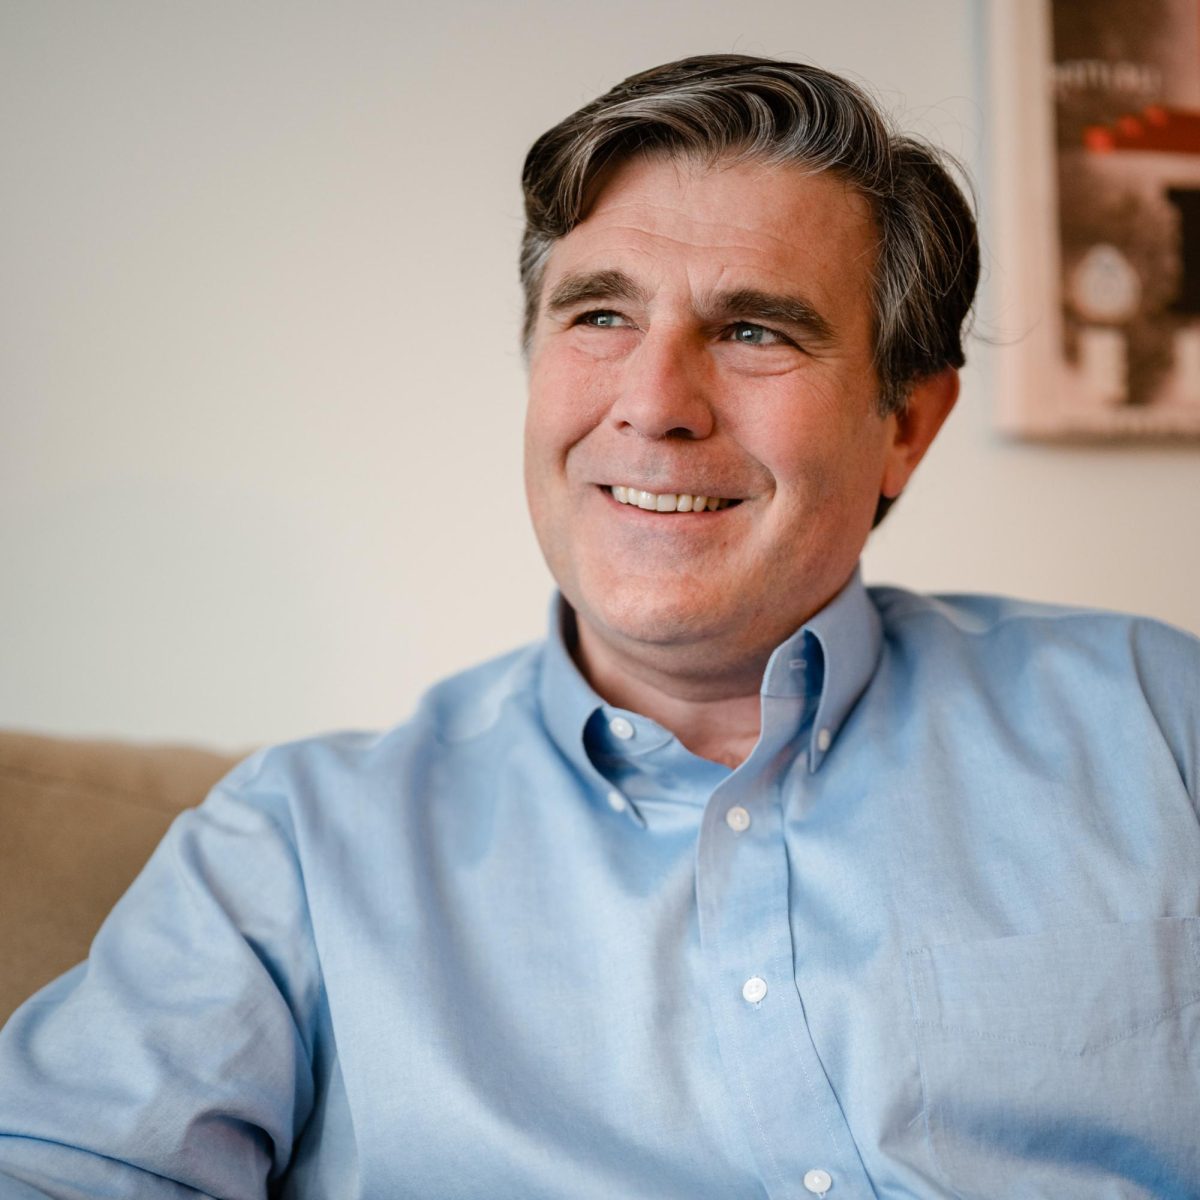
<point x="261" y="397"/>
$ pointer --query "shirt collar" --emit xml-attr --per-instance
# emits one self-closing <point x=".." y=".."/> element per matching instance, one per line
<point x="833" y="655"/>
<point x="843" y="641"/>
<point x="568" y="702"/>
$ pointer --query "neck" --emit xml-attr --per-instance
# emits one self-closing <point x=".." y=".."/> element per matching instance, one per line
<point x="717" y="718"/>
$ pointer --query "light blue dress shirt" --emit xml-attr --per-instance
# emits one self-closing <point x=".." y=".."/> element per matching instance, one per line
<point x="936" y="937"/>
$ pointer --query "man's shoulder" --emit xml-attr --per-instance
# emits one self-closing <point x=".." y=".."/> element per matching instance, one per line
<point x="1113" y="677"/>
<point x="978" y="615"/>
<point x="459" y="709"/>
<point x="1026" y="652"/>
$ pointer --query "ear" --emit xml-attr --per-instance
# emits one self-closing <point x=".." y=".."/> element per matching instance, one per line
<point x="913" y="430"/>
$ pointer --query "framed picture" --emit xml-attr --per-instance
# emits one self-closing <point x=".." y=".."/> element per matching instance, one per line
<point x="1096" y="252"/>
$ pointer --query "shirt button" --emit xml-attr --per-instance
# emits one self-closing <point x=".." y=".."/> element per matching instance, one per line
<point x="621" y="728"/>
<point x="616" y="801"/>
<point x="824" y="737"/>
<point x="754" y="989"/>
<point x="818" y="1181"/>
<point x="738" y="819"/>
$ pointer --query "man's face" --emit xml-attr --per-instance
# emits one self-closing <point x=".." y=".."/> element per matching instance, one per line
<point x="707" y="332"/>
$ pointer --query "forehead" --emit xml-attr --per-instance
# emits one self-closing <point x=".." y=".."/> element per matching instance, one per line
<point x="741" y="224"/>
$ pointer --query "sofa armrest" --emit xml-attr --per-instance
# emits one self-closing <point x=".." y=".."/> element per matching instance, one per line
<point x="77" y="821"/>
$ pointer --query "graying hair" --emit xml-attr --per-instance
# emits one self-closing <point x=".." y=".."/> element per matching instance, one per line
<point x="733" y="108"/>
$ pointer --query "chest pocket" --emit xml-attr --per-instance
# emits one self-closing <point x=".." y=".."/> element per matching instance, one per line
<point x="1065" y="1064"/>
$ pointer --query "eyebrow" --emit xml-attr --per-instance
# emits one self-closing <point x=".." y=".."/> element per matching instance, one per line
<point x="593" y="286"/>
<point x="741" y="304"/>
<point x="750" y="304"/>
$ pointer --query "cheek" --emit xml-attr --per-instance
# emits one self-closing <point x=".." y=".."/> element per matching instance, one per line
<point x="564" y="407"/>
<point x="827" y="466"/>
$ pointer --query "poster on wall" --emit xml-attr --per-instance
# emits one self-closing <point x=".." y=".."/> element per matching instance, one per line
<point x="1097" y="230"/>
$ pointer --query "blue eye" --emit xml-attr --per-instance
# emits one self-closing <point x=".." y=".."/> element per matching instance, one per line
<point x="754" y="335"/>
<point x="602" y="319"/>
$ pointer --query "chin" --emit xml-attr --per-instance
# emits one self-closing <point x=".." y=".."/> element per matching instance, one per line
<point x="657" y="616"/>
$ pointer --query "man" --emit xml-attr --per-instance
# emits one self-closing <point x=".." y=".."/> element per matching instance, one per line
<point x="748" y="881"/>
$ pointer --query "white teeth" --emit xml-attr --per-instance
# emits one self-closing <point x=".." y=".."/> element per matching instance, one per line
<point x="667" y="501"/>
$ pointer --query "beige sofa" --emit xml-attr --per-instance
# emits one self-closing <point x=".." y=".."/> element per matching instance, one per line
<point x="77" y="821"/>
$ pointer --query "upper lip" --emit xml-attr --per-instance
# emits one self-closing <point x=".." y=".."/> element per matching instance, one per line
<point x="670" y="490"/>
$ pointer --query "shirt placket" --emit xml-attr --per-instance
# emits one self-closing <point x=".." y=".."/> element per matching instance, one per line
<point x="790" y="1114"/>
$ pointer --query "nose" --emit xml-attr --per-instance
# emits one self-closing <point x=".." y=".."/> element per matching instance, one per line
<point x="664" y="388"/>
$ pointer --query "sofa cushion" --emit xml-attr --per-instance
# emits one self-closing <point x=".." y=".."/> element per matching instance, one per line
<point x="77" y="821"/>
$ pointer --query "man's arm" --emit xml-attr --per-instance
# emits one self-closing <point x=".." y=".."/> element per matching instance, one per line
<point x="177" y="1060"/>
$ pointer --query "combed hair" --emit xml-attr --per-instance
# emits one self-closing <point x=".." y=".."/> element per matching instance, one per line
<point x="727" y="108"/>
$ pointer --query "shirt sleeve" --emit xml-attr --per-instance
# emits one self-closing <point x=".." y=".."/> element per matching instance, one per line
<point x="177" y="1060"/>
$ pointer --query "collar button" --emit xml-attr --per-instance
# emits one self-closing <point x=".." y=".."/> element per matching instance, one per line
<point x="621" y="728"/>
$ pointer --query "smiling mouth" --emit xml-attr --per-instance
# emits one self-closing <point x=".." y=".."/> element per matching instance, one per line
<point x="668" y="502"/>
